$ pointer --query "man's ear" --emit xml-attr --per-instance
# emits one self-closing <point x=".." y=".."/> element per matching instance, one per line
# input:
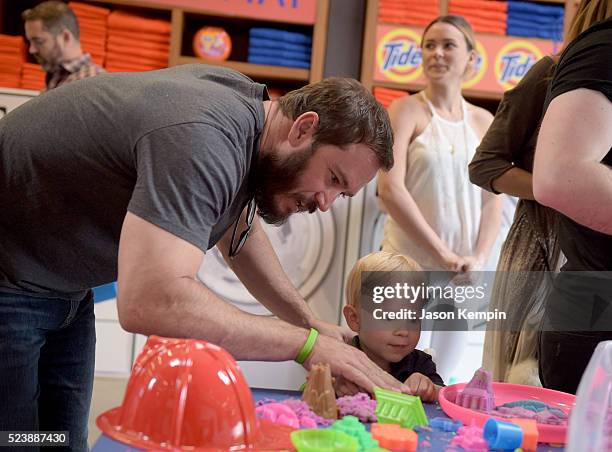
<point x="351" y="315"/>
<point x="303" y="128"/>
<point x="66" y="36"/>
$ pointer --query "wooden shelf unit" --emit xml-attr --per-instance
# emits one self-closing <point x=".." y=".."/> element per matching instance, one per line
<point x="178" y="55"/>
<point x="369" y="50"/>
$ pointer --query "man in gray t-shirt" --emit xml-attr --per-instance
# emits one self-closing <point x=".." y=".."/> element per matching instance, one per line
<point x="134" y="177"/>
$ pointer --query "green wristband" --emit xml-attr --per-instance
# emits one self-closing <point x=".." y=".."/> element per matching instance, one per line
<point x="308" y="346"/>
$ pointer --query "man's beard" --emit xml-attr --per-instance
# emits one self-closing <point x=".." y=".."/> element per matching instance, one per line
<point x="52" y="63"/>
<point x="277" y="176"/>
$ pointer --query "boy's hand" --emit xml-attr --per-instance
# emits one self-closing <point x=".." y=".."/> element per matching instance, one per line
<point x="421" y="386"/>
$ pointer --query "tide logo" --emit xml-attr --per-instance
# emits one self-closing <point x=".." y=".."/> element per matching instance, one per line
<point x="398" y="55"/>
<point x="480" y="68"/>
<point x="513" y="61"/>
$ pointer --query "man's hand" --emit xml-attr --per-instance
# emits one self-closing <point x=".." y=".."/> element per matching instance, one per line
<point x="342" y="333"/>
<point x="421" y="386"/>
<point x="344" y="387"/>
<point x="353" y="365"/>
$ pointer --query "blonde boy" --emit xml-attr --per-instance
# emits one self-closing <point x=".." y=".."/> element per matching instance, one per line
<point x="390" y="343"/>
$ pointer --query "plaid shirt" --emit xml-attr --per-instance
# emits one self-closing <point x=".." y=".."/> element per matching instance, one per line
<point x="71" y="71"/>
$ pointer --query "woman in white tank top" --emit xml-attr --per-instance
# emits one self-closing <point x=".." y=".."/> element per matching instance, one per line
<point x="436" y="216"/>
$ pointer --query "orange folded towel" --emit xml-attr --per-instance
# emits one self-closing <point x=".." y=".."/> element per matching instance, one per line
<point x="95" y="22"/>
<point x="404" y="21"/>
<point x="482" y="14"/>
<point x="10" y="69"/>
<point x="90" y="28"/>
<point x="482" y="5"/>
<point x="118" y="41"/>
<point x="129" y="68"/>
<point x="94" y="42"/>
<point x="112" y="57"/>
<point x="386" y="96"/>
<point x="85" y="8"/>
<point x="11" y="84"/>
<point x="413" y="18"/>
<point x="137" y="51"/>
<point x="129" y="22"/>
<point x="407" y="6"/>
<point x="10" y="77"/>
<point x="11" y="51"/>
<point x="140" y="36"/>
<point x="12" y="58"/>
<point x="12" y="41"/>
<point x="408" y="14"/>
<point x="94" y="38"/>
<point x="33" y="67"/>
<point x="499" y="30"/>
<point x="473" y="21"/>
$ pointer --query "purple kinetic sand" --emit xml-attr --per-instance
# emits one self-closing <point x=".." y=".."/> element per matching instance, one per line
<point x="531" y="409"/>
<point x="470" y="438"/>
<point x="478" y="393"/>
<point x="302" y="411"/>
<point x="359" y="405"/>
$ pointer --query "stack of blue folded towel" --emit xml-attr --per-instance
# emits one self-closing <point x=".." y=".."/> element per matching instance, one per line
<point x="535" y="21"/>
<point x="279" y="48"/>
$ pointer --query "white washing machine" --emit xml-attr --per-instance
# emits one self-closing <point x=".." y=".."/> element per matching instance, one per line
<point x="311" y="250"/>
<point x="11" y="98"/>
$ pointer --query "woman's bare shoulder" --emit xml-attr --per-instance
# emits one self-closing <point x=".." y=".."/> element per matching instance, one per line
<point x="480" y="118"/>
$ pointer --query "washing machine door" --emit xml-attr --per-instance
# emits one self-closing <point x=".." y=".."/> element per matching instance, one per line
<point x="305" y="246"/>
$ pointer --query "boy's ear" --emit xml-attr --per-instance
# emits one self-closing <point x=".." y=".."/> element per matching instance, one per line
<point x="351" y="315"/>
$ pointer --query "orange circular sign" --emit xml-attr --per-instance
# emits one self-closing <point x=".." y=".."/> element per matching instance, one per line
<point x="212" y="43"/>
<point x="398" y="55"/>
<point x="514" y="60"/>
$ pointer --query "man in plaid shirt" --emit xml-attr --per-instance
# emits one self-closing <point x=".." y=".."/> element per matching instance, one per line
<point x="52" y="30"/>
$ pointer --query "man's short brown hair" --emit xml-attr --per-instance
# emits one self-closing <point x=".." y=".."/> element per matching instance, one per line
<point x="348" y="114"/>
<point x="55" y="16"/>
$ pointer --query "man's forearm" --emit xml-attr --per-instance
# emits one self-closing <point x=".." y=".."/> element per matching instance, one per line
<point x="260" y="271"/>
<point x="186" y="308"/>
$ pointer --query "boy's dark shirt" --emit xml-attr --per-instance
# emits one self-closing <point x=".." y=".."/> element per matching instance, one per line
<point x="416" y="361"/>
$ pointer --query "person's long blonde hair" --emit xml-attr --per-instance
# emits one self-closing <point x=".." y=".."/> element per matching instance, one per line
<point x="588" y="13"/>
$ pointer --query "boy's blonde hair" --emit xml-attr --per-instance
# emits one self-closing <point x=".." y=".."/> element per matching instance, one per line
<point x="380" y="261"/>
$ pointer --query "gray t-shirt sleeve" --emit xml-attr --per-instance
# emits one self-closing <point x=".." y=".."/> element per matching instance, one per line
<point x="187" y="177"/>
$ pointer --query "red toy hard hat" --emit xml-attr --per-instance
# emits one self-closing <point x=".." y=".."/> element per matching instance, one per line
<point x="189" y="394"/>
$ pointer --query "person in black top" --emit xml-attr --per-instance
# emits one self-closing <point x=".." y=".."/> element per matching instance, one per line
<point x="390" y="344"/>
<point x="572" y="175"/>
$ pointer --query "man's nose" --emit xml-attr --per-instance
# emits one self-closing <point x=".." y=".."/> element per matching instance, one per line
<point x="325" y="199"/>
<point x="32" y="49"/>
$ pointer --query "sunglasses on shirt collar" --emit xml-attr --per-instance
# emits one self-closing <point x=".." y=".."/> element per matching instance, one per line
<point x="236" y="246"/>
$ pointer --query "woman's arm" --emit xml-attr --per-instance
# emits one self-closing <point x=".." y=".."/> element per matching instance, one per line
<point x="508" y="138"/>
<point x="491" y="210"/>
<point x="396" y="197"/>
<point x="490" y="223"/>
